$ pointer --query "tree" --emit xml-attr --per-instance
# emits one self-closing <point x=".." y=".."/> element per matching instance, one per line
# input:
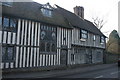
<point x="113" y="45"/>
<point x="98" y="22"/>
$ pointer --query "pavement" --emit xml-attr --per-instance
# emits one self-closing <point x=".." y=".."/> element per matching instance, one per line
<point x="57" y="73"/>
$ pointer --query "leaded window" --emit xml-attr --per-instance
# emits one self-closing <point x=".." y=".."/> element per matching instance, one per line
<point x="6" y="22"/>
<point x="42" y="47"/>
<point x="48" y="47"/>
<point x="7" y="53"/>
<point x="0" y="21"/>
<point x="48" y="33"/>
<point x="102" y="40"/>
<point x="53" y="48"/>
<point x="12" y="23"/>
<point x="48" y="36"/>
<point x="83" y="34"/>
<point x="72" y="57"/>
<point x="8" y="3"/>
<point x="94" y="37"/>
<point x="98" y="55"/>
<point x="10" y="53"/>
<point x="46" y="12"/>
<point x="3" y="53"/>
<point x="9" y="24"/>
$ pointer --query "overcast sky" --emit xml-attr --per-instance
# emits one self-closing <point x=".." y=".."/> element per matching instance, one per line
<point x="104" y="9"/>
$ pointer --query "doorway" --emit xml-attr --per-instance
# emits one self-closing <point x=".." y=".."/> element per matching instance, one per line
<point x="63" y="57"/>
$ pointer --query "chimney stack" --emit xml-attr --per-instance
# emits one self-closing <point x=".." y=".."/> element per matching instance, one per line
<point x="78" y="10"/>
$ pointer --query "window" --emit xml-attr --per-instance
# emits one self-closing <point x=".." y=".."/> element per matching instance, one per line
<point x="42" y="47"/>
<point x="12" y="23"/>
<point x="9" y="24"/>
<point x="3" y="53"/>
<point x="0" y="21"/>
<point x="7" y="3"/>
<point x="6" y="22"/>
<point x="48" y="47"/>
<point x="10" y="53"/>
<point x="72" y="57"/>
<point x="46" y="12"/>
<point x="53" y="49"/>
<point x="42" y="27"/>
<point x="48" y="39"/>
<point x="47" y="33"/>
<point x="102" y="40"/>
<point x="75" y="50"/>
<point x="83" y="34"/>
<point x="7" y="53"/>
<point x="98" y="55"/>
<point x="94" y="37"/>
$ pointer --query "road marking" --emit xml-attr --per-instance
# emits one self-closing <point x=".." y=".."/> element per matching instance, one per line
<point x="99" y="76"/>
<point x="114" y="72"/>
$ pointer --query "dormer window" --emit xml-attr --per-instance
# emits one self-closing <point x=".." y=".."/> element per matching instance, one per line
<point x="7" y="3"/>
<point x="83" y="34"/>
<point x="47" y="10"/>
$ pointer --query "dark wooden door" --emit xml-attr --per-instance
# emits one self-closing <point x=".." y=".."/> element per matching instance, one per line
<point x="63" y="57"/>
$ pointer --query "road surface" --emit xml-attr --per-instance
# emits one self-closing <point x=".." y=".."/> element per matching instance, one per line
<point x="112" y="72"/>
<point x="93" y="71"/>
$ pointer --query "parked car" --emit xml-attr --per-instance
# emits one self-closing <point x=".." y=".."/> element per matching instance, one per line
<point x="119" y="62"/>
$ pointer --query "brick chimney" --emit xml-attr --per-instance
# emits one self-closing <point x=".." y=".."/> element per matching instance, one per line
<point x="79" y="10"/>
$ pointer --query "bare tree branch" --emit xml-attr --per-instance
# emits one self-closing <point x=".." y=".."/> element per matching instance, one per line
<point x="99" y="23"/>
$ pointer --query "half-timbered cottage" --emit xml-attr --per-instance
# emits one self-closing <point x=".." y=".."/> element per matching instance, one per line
<point x="36" y="35"/>
<point x="88" y="42"/>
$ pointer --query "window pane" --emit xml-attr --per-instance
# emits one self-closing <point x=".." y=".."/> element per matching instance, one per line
<point x="48" y="47"/>
<point x="102" y="39"/>
<point x="0" y="20"/>
<point x="42" y="47"/>
<point x="49" y="13"/>
<point x="12" y="23"/>
<point x="72" y="57"/>
<point x="3" y="53"/>
<point x="83" y="31"/>
<point x="84" y="35"/>
<point x="46" y="12"/>
<point x="53" y="48"/>
<point x="94" y="37"/>
<point x="49" y="28"/>
<point x="7" y="3"/>
<point x="6" y="22"/>
<point x="10" y="53"/>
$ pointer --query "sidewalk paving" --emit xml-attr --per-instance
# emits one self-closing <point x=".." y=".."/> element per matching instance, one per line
<point x="57" y="73"/>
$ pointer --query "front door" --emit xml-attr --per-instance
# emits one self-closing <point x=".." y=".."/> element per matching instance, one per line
<point x="63" y="57"/>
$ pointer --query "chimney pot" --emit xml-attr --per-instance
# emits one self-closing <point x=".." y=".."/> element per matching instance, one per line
<point x="79" y="11"/>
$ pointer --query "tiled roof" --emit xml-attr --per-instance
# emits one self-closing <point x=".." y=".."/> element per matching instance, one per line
<point x="78" y="22"/>
<point x="60" y="17"/>
<point x="32" y="10"/>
